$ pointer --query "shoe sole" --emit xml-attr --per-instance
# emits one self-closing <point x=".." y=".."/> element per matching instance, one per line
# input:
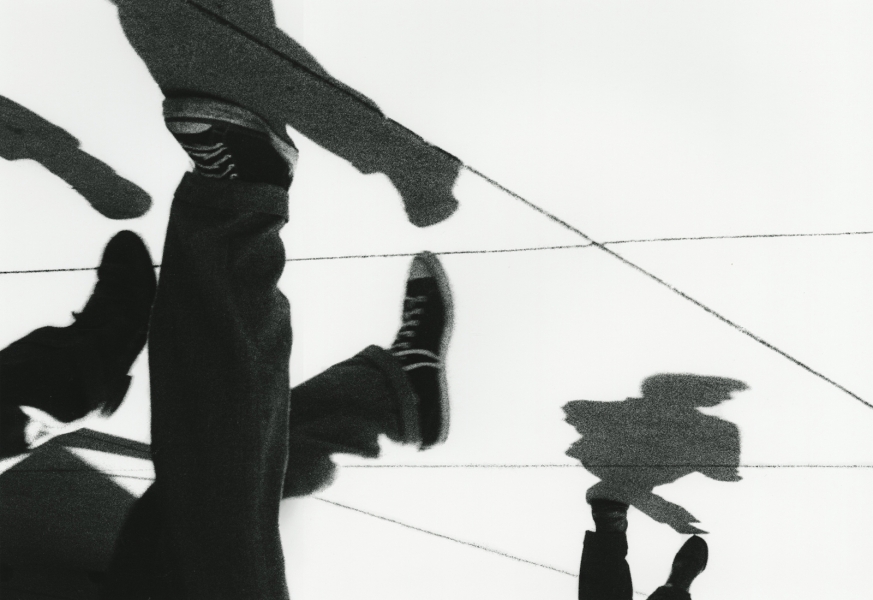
<point x="436" y="268"/>
<point x="208" y="109"/>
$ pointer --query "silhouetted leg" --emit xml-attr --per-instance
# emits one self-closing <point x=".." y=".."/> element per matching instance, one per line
<point x="140" y="569"/>
<point x="219" y="348"/>
<point x="344" y="410"/>
<point x="604" y="573"/>
<point x="670" y="593"/>
<point x="689" y="562"/>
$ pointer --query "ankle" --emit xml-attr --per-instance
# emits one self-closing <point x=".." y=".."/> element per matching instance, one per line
<point x="609" y="515"/>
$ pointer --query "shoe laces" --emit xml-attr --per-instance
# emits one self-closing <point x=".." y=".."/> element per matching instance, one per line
<point x="213" y="160"/>
<point x="410" y="323"/>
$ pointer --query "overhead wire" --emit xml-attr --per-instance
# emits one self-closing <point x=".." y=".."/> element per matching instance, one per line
<point x="599" y="245"/>
<point x="505" y="250"/>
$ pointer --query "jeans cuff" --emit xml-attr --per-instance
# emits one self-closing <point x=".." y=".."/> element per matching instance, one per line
<point x="401" y="391"/>
<point x="233" y="195"/>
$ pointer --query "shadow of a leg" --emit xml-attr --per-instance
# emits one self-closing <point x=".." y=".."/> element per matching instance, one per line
<point x="236" y="53"/>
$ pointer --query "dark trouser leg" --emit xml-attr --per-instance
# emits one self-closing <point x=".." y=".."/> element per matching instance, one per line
<point x="604" y="573"/>
<point x="669" y="593"/>
<point x="219" y="349"/>
<point x="345" y="409"/>
<point x="141" y="568"/>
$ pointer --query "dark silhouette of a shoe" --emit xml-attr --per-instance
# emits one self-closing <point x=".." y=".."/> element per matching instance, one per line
<point x="690" y="562"/>
<point x="69" y="372"/>
<point x="422" y="342"/>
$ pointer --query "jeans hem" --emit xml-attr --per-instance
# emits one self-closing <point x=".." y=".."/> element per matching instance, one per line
<point x="407" y="401"/>
<point x="233" y="196"/>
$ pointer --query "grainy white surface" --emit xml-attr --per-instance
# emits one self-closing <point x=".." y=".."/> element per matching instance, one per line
<point x="629" y="120"/>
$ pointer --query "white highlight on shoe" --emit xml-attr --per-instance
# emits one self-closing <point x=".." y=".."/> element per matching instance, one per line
<point x="420" y="351"/>
<point x="407" y="329"/>
<point x="201" y="147"/>
<point x="215" y="164"/>
<point x="419" y="269"/>
<point x="187" y="126"/>
<point x="41" y="426"/>
<point x="222" y="174"/>
<point x="207" y="154"/>
<point x="202" y="155"/>
<point x="423" y="364"/>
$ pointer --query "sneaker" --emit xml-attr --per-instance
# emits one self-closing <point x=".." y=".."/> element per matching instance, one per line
<point x="226" y="141"/>
<point x="69" y="372"/>
<point x="690" y="562"/>
<point x="422" y="342"/>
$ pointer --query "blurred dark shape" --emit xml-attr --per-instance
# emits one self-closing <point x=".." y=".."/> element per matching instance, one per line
<point x="233" y="50"/>
<point x="60" y="513"/>
<point x="637" y="444"/>
<point x="69" y="372"/>
<point x="25" y="135"/>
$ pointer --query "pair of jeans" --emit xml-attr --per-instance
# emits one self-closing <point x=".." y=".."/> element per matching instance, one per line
<point x="605" y="575"/>
<point x="223" y="429"/>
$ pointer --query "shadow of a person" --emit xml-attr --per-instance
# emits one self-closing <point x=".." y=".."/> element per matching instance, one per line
<point x="234" y="51"/>
<point x="24" y="135"/>
<point x="638" y="444"/>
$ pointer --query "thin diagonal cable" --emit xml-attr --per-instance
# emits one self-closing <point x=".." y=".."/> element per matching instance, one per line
<point x="221" y="20"/>
<point x="672" y="288"/>
<point x="214" y="16"/>
<point x="218" y="18"/>
<point x="735" y="325"/>
<point x="445" y="537"/>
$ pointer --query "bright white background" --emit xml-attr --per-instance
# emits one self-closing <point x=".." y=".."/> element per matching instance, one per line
<point x="629" y="120"/>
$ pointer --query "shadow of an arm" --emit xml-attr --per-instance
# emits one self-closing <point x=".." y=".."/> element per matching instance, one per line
<point x="27" y="136"/>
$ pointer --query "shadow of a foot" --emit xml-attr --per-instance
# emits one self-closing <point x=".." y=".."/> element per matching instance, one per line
<point x="638" y="444"/>
<point x="234" y="51"/>
<point x="25" y="135"/>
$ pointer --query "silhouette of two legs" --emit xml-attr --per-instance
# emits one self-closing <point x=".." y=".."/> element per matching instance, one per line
<point x="604" y="573"/>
